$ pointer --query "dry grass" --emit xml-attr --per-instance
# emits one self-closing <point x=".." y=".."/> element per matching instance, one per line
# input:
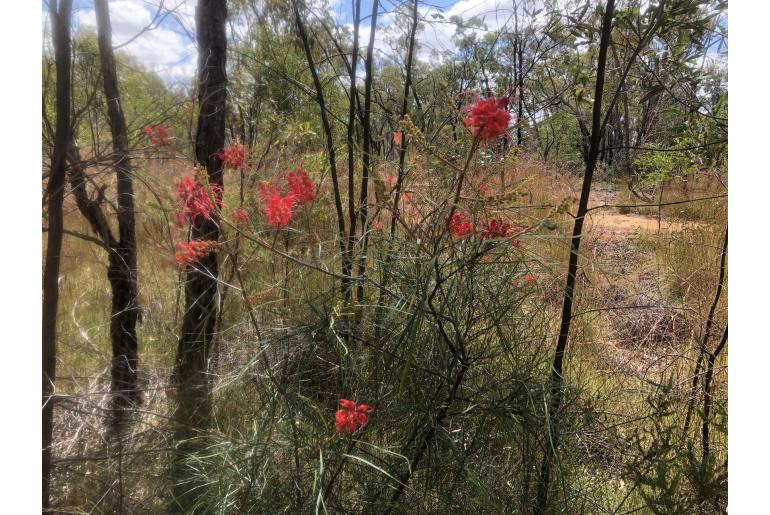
<point x="619" y="348"/>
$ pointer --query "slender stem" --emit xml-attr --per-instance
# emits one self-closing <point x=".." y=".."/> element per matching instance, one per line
<point x="552" y="440"/>
<point x="706" y="336"/>
<point x="329" y="144"/>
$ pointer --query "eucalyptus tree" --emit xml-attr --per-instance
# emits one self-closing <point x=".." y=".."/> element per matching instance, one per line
<point x="60" y="21"/>
<point x="201" y="284"/>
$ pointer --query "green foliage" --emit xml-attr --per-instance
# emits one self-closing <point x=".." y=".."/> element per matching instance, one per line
<point x="654" y="168"/>
<point x="670" y="478"/>
<point x="437" y="312"/>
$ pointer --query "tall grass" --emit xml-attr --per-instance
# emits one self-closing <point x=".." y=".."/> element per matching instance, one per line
<point x="455" y="367"/>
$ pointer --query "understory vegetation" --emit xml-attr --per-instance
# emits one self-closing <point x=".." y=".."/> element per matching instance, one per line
<point x="350" y="294"/>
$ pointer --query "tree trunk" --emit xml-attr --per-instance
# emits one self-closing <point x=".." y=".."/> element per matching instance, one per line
<point x="191" y="372"/>
<point x="552" y="441"/>
<point x="707" y="400"/>
<point x="60" y="22"/>
<point x="122" y="271"/>
<point x="366" y="164"/>
<point x="706" y="335"/>
<point x="351" y="143"/>
<point x="404" y="111"/>
<point x="329" y="142"/>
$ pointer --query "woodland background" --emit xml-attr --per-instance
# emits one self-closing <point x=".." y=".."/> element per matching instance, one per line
<point x="535" y="321"/>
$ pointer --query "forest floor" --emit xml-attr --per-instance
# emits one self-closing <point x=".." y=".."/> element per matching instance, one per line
<point x="641" y="326"/>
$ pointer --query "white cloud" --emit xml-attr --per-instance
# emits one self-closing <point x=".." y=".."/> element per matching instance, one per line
<point x="166" y="48"/>
<point x="495" y="15"/>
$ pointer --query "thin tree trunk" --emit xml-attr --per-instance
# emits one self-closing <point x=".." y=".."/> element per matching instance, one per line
<point x="122" y="271"/>
<point x="707" y="382"/>
<point x="351" y="141"/>
<point x="60" y="22"/>
<point x="329" y="143"/>
<point x="191" y="372"/>
<point x="404" y="111"/>
<point x="706" y="336"/>
<point x="366" y="164"/>
<point x="552" y="442"/>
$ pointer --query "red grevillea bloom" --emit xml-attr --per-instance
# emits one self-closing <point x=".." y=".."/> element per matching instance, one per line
<point x="398" y="137"/>
<point x="233" y="156"/>
<point x="460" y="225"/>
<point x="195" y="201"/>
<point x="487" y="117"/>
<point x="267" y="190"/>
<point x="528" y="278"/>
<point x="239" y="216"/>
<point x="496" y="229"/>
<point x="189" y="252"/>
<point x="158" y="134"/>
<point x="301" y="186"/>
<point x="351" y="416"/>
<point x="280" y="209"/>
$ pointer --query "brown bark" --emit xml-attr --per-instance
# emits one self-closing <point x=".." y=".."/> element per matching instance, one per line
<point x="60" y="22"/>
<point x="201" y="286"/>
<point x="122" y="271"/>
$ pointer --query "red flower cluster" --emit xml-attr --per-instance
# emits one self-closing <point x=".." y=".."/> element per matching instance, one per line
<point x="351" y="417"/>
<point x="528" y="278"/>
<point x="233" y="156"/>
<point x="158" y="134"/>
<point x="239" y="216"/>
<point x="189" y="252"/>
<point x="195" y="201"/>
<point x="487" y="117"/>
<point x="398" y="137"/>
<point x="300" y="186"/>
<point x="279" y="209"/>
<point x="496" y="229"/>
<point x="460" y="225"/>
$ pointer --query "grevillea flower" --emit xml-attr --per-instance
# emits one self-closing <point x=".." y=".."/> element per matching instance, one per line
<point x="233" y="156"/>
<point x="351" y="417"/>
<point x="158" y="134"/>
<point x="195" y="201"/>
<point x="301" y="186"/>
<point x="239" y="216"/>
<point x="398" y="137"/>
<point x="496" y="228"/>
<point x="460" y="225"/>
<point x="189" y="252"/>
<point x="487" y="117"/>
<point x="279" y="209"/>
<point x="528" y="278"/>
<point x="267" y="190"/>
